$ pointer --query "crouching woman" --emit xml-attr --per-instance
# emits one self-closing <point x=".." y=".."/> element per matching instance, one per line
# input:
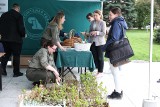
<point x="42" y="66"/>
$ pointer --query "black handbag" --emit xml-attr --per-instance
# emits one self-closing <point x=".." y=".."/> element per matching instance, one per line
<point x="120" y="51"/>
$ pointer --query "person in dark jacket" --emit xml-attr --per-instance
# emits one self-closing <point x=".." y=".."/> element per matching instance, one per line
<point x="115" y="34"/>
<point x="12" y="32"/>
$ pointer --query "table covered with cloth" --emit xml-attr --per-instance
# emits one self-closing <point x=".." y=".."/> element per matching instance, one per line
<point x="73" y="58"/>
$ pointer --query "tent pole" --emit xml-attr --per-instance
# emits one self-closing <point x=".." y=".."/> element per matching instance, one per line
<point x="151" y="47"/>
<point x="150" y="102"/>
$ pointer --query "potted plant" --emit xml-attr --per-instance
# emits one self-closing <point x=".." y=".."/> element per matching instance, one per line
<point x="72" y="93"/>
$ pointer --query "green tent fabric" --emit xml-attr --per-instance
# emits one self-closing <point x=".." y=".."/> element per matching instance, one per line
<point x="37" y="13"/>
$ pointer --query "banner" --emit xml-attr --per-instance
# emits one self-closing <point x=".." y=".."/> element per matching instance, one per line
<point x="37" y="14"/>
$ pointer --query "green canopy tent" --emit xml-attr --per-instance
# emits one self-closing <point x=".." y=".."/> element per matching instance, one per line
<point x="37" y="14"/>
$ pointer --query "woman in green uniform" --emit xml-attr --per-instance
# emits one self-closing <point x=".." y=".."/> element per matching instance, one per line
<point x="53" y="30"/>
<point x="42" y="66"/>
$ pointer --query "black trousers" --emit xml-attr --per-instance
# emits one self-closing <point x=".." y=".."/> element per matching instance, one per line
<point x="11" y="48"/>
<point x="98" y="56"/>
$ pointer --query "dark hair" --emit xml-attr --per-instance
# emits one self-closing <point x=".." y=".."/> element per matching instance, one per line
<point x="89" y="14"/>
<point x="45" y="43"/>
<point x="50" y="43"/>
<point x="116" y="10"/>
<point x="15" y="5"/>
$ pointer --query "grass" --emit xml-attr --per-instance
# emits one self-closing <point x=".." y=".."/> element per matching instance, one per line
<point x="140" y="42"/>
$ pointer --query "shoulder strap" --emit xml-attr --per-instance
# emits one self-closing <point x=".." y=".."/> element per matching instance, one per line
<point x="123" y="31"/>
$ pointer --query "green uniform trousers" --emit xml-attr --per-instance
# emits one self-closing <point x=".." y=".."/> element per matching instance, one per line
<point x="36" y="75"/>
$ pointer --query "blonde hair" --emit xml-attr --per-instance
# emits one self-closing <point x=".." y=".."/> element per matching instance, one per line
<point x="99" y="12"/>
<point x="57" y="20"/>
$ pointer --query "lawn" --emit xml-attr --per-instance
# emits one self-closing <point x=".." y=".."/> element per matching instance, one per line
<point x="140" y="42"/>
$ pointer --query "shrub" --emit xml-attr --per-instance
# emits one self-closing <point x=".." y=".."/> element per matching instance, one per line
<point x="84" y="93"/>
<point x="157" y="36"/>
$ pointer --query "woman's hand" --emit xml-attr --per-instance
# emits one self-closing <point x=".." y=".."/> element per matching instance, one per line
<point x="58" y="80"/>
<point x="63" y="49"/>
<point x="93" y="33"/>
<point x="83" y="33"/>
<point x="60" y="46"/>
<point x="86" y="34"/>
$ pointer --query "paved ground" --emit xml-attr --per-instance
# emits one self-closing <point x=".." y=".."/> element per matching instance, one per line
<point x="134" y="81"/>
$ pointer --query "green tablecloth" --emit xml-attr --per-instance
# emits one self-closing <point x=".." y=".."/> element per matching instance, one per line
<point x="72" y="58"/>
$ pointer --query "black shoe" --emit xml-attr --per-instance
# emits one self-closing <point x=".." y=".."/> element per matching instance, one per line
<point x="158" y="81"/>
<point x="17" y="75"/>
<point x="115" y="95"/>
